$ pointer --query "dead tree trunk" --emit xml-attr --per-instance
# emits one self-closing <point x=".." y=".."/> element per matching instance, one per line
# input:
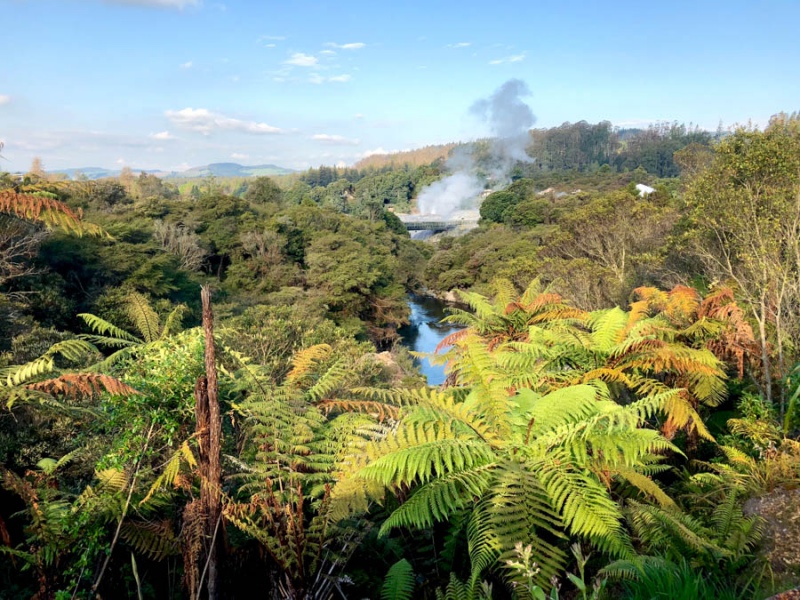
<point x="209" y="434"/>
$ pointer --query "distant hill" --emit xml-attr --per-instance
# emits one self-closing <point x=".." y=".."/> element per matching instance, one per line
<point x="90" y="172"/>
<point x="215" y="169"/>
<point x="414" y="158"/>
<point x="233" y="170"/>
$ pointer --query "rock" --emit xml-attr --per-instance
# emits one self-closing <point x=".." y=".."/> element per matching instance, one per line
<point x="780" y="510"/>
<point x="450" y="297"/>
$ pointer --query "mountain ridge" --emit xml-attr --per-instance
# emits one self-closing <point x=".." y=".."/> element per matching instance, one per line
<point x="220" y="169"/>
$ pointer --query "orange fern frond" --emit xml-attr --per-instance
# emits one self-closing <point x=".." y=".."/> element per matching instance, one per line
<point x="305" y="360"/>
<point x="737" y="341"/>
<point x="682" y="303"/>
<point x="451" y="339"/>
<point x="77" y="385"/>
<point x="604" y="374"/>
<point x="50" y="212"/>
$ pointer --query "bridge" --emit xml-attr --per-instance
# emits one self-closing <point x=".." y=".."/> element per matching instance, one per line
<point x="457" y="222"/>
<point x="430" y="225"/>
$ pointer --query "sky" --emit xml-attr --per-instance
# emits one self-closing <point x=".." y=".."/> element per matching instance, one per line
<point x="172" y="84"/>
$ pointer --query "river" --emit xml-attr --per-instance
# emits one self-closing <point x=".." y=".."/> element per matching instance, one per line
<point x="425" y="332"/>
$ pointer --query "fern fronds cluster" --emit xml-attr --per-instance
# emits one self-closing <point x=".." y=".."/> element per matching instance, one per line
<point x="551" y="420"/>
<point x="296" y="440"/>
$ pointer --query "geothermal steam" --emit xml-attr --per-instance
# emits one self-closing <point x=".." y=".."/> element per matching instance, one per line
<point x="509" y="120"/>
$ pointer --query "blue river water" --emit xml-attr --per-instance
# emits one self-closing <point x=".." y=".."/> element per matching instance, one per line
<point x="425" y="332"/>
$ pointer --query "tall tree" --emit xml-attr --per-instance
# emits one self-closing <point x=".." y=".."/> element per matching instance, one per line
<point x="746" y="210"/>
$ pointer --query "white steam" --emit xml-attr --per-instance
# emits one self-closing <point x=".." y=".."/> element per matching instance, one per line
<point x="449" y="194"/>
<point x="508" y="119"/>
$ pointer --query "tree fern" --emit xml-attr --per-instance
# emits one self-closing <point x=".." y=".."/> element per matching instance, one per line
<point x="549" y="422"/>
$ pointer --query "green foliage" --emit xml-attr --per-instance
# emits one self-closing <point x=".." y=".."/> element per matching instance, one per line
<point x="532" y="450"/>
<point x="288" y="464"/>
<point x="494" y="207"/>
<point x="399" y="582"/>
<point x="657" y="578"/>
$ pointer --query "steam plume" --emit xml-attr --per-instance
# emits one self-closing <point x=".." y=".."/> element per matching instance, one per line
<point x="508" y="119"/>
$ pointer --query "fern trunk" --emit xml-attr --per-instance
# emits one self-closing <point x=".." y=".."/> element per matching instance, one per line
<point x="209" y="426"/>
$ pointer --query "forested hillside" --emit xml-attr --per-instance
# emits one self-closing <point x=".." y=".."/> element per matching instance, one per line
<point x="620" y="417"/>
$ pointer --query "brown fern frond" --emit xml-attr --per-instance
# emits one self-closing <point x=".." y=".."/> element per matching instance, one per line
<point x="604" y="374"/>
<point x="48" y="211"/>
<point x="542" y="300"/>
<point x="736" y="342"/>
<point x="87" y="385"/>
<point x="559" y="313"/>
<point x="451" y="339"/>
<point x="378" y="410"/>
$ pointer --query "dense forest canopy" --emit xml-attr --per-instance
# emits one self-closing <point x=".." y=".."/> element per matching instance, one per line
<point x="620" y="417"/>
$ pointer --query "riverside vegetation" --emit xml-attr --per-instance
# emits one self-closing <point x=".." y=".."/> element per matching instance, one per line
<point x="620" y="417"/>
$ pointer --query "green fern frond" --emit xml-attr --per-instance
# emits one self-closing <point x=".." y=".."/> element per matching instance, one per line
<point x="606" y="326"/>
<point x="331" y="379"/>
<point x="439" y="499"/>
<point x="156" y="540"/>
<point x="586" y="507"/>
<point x="399" y="582"/>
<point x="522" y="512"/>
<point x="72" y="350"/>
<point x="647" y="486"/>
<point x="172" y="324"/>
<point x="141" y="313"/>
<point x="417" y="455"/>
<point x="108" y="331"/>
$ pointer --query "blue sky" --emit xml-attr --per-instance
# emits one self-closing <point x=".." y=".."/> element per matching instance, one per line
<point x="171" y="84"/>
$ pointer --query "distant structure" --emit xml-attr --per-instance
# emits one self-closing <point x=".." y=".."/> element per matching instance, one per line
<point x="457" y="222"/>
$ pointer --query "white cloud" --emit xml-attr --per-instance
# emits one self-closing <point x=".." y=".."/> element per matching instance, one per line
<point x="162" y="135"/>
<point x="158" y="3"/>
<point x="336" y="140"/>
<point x="298" y="59"/>
<point x="460" y="45"/>
<point x="240" y="156"/>
<point x="328" y="52"/>
<point x="272" y="38"/>
<point x="350" y="46"/>
<point x="508" y="59"/>
<point x="316" y="78"/>
<point x="186" y="65"/>
<point x="4" y="99"/>
<point x="379" y="150"/>
<point x="358" y="116"/>
<point x="205" y="121"/>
